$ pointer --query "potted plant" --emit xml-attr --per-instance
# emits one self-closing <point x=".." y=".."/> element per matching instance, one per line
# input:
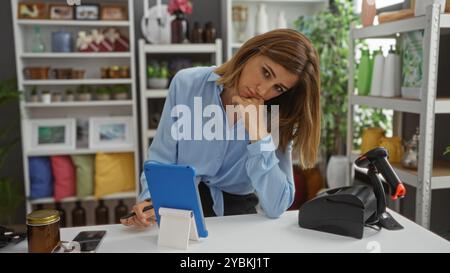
<point x="69" y="95"/>
<point x="447" y="150"/>
<point x="34" y="94"/>
<point x="119" y="92"/>
<point x="328" y="30"/>
<point x="158" y="76"/>
<point x="56" y="97"/>
<point x="10" y="193"/>
<point x="103" y="93"/>
<point x="84" y="93"/>
<point x="46" y="97"/>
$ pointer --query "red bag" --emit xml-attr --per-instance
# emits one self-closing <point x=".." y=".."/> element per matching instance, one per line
<point x="64" y="176"/>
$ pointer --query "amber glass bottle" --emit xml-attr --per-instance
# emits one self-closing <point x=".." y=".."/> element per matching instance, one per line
<point x="62" y="213"/>
<point x="78" y="215"/>
<point x="101" y="214"/>
<point x="120" y="210"/>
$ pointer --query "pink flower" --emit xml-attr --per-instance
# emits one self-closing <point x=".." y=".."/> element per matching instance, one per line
<point x="183" y="6"/>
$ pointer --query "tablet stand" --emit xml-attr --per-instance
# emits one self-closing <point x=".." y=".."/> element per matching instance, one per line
<point x="176" y="228"/>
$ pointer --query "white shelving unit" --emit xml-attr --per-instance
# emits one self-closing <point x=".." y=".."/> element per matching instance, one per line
<point x="292" y="9"/>
<point x="215" y="50"/>
<point x="430" y="175"/>
<point x="91" y="62"/>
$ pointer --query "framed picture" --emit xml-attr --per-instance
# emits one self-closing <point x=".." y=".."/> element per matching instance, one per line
<point x="87" y="12"/>
<point x="113" y="12"/>
<point x="61" y="12"/>
<point x="51" y="134"/>
<point x="32" y="11"/>
<point x="111" y="132"/>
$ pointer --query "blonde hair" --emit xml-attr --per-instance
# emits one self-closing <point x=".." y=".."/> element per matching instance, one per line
<point x="300" y="111"/>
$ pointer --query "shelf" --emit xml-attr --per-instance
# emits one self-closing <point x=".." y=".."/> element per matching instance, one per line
<point x="236" y="45"/>
<point x="77" y="82"/>
<point x="180" y="48"/>
<point x="34" y="22"/>
<point x="79" y="151"/>
<point x="50" y="200"/>
<point x="440" y="175"/>
<point x="151" y="133"/>
<point x="282" y="1"/>
<point x="79" y="103"/>
<point x="442" y="105"/>
<point x="156" y="93"/>
<point x="396" y="104"/>
<point x="389" y="29"/>
<point x="76" y="55"/>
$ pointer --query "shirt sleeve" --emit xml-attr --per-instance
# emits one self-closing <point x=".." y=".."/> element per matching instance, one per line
<point x="270" y="172"/>
<point x="164" y="147"/>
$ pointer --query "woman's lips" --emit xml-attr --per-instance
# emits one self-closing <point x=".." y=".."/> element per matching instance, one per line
<point x="248" y="93"/>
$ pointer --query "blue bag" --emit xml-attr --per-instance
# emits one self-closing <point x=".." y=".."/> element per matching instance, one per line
<point x="41" y="179"/>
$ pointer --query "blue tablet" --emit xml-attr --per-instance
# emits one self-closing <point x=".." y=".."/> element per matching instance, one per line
<point x="173" y="186"/>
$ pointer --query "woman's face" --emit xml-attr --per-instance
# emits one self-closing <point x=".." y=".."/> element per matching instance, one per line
<point x="264" y="79"/>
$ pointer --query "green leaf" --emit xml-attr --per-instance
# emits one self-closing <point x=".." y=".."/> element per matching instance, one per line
<point x="447" y="151"/>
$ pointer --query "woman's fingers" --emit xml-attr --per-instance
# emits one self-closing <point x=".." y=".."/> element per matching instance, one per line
<point x="141" y="218"/>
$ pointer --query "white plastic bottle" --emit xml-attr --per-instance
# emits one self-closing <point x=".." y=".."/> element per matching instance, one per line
<point x="391" y="75"/>
<point x="281" y="20"/>
<point x="262" y="20"/>
<point x="377" y="74"/>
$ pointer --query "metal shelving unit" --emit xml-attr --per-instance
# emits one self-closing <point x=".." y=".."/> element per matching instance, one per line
<point x="430" y="175"/>
<point x="215" y="50"/>
<point x="91" y="62"/>
<point x="292" y="9"/>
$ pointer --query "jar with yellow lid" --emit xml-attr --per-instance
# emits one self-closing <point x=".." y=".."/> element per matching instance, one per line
<point x="114" y="72"/>
<point x="43" y="231"/>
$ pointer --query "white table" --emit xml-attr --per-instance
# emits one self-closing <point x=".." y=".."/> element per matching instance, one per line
<point x="258" y="234"/>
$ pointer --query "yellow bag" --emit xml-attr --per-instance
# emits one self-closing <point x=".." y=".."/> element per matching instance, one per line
<point x="114" y="173"/>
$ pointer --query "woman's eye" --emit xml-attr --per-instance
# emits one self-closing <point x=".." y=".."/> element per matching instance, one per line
<point x="266" y="73"/>
<point x="279" y="89"/>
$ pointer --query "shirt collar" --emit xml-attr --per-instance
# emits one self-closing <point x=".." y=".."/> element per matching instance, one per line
<point x="213" y="77"/>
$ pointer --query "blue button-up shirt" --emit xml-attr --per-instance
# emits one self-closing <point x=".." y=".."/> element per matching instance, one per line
<point x="234" y="166"/>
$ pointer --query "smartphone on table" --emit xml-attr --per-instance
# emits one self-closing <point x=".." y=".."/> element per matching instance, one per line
<point x="90" y="240"/>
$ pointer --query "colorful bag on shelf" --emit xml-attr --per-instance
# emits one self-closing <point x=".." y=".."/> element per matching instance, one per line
<point x="41" y="179"/>
<point x="64" y="176"/>
<point x="114" y="173"/>
<point x="84" y="168"/>
<point x="118" y="40"/>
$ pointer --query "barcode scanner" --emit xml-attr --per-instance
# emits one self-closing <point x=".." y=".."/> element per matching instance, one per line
<point x="375" y="161"/>
<point x="347" y="210"/>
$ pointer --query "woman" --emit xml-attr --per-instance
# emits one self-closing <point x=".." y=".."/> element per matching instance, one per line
<point x="280" y="68"/>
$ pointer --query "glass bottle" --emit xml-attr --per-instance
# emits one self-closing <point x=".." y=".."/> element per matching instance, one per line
<point x="62" y="214"/>
<point x="179" y="28"/>
<point x="37" y="45"/>
<point x="78" y="215"/>
<point x="120" y="210"/>
<point x="411" y="157"/>
<point x="209" y="35"/>
<point x="101" y="213"/>
<point x="197" y="34"/>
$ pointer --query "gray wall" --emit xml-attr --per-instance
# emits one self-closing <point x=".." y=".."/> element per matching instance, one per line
<point x="9" y="113"/>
